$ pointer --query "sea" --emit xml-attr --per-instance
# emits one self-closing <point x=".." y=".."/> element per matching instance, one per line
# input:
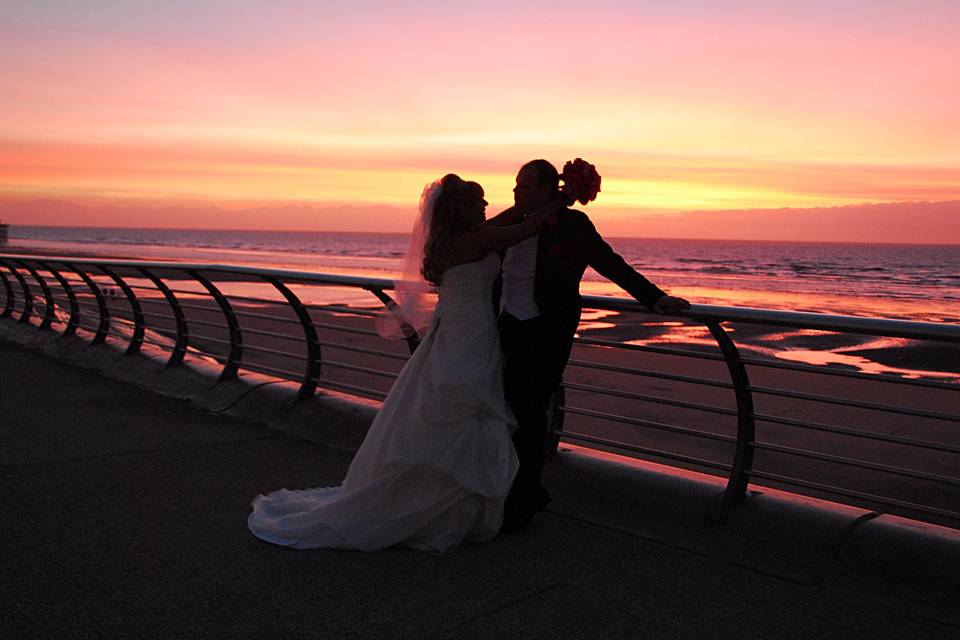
<point x="915" y="282"/>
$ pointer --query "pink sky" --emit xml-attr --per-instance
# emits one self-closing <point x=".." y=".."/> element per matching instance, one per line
<point x="204" y="106"/>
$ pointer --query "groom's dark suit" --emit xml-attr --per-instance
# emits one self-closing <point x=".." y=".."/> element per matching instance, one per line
<point x="536" y="350"/>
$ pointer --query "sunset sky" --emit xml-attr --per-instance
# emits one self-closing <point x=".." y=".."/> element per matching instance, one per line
<point x="333" y="115"/>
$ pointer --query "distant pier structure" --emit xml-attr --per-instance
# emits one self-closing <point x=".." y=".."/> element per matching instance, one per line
<point x="4" y="232"/>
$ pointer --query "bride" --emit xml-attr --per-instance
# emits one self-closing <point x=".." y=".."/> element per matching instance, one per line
<point x="437" y="463"/>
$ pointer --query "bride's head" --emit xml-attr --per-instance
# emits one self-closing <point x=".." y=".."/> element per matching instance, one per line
<point x="459" y="207"/>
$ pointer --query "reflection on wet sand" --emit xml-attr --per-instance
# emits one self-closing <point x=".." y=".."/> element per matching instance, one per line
<point x="804" y="346"/>
<point x="589" y="320"/>
<point x="865" y="306"/>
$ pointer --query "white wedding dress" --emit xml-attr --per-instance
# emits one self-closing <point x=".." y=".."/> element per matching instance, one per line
<point x="438" y="461"/>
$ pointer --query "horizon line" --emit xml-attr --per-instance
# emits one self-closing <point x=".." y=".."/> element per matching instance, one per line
<point x="405" y="233"/>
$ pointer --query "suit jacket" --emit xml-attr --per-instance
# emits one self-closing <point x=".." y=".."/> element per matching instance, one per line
<point x="567" y="245"/>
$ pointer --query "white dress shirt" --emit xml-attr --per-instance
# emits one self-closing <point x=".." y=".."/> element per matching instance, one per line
<point x="519" y="277"/>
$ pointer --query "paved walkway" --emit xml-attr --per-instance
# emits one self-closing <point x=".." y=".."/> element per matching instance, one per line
<point x="123" y="515"/>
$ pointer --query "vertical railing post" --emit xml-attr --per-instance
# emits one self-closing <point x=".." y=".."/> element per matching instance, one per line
<point x="74" y="319"/>
<point x="183" y="336"/>
<point x="136" y="340"/>
<point x="410" y="334"/>
<point x="27" y="295"/>
<point x="104" y="325"/>
<point x="312" y="370"/>
<point x="48" y="314"/>
<point x="235" y="357"/>
<point x="746" y="426"/>
<point x="8" y="303"/>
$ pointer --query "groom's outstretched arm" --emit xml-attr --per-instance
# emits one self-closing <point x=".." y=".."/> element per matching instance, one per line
<point x="610" y="265"/>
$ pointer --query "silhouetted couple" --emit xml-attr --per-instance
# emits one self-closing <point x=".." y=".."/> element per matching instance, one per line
<point x="456" y="452"/>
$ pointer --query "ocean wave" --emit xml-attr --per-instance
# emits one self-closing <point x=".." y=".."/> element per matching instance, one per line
<point x="866" y="271"/>
<point x="720" y="270"/>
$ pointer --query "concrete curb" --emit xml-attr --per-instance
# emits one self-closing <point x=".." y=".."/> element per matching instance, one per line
<point x="903" y="564"/>
<point x="251" y="397"/>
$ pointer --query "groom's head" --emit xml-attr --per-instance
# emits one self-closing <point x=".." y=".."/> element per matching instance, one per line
<point x="537" y="182"/>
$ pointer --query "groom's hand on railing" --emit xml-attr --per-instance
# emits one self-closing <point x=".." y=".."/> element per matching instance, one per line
<point x="670" y="305"/>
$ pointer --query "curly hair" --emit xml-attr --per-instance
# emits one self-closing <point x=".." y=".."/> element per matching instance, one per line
<point x="447" y="223"/>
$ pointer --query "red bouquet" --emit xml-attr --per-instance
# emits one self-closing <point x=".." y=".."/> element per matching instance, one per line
<point x="581" y="182"/>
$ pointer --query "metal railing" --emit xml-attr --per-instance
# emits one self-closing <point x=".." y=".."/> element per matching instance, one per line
<point x="892" y="445"/>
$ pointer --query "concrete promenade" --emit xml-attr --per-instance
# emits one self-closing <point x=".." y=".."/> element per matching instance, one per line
<point x="124" y="515"/>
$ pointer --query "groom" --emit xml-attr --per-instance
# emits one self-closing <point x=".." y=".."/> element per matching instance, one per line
<point x="539" y="314"/>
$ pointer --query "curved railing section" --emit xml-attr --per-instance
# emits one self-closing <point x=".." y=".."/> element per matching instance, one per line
<point x="711" y="401"/>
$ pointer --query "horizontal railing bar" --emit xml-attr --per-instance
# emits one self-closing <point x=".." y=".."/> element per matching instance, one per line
<point x="353" y="367"/>
<point x="373" y="352"/>
<point x="143" y="287"/>
<point x="212" y="308"/>
<point x="272" y="334"/>
<point x="121" y="313"/>
<point x="117" y="334"/>
<point x="335" y="327"/>
<point x="45" y="277"/>
<point x="235" y="296"/>
<point x="853" y="462"/>
<point x="193" y="350"/>
<point x="89" y="304"/>
<point x="76" y="281"/>
<point x="648" y="398"/>
<point x="257" y="368"/>
<point x="856" y="375"/>
<point x="161" y="345"/>
<point x="893" y="502"/>
<point x="211" y="339"/>
<point x="867" y="435"/>
<point x="346" y="310"/>
<point x="648" y="348"/>
<point x="160" y="301"/>
<point x="263" y="316"/>
<point x="181" y="292"/>
<point x="163" y="316"/>
<point x="649" y="424"/>
<point x="85" y="296"/>
<point x="206" y="323"/>
<point x="653" y="452"/>
<point x="299" y="339"/>
<point x="140" y="286"/>
<point x="650" y="374"/>
<point x="343" y="386"/>
<point x="262" y="368"/>
<point x="202" y="293"/>
<point x="103" y="282"/>
<point x="254" y="272"/>
<point x="275" y="352"/>
<point x="859" y="404"/>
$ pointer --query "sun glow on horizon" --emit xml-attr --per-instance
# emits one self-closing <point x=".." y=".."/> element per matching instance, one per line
<point x="689" y="108"/>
